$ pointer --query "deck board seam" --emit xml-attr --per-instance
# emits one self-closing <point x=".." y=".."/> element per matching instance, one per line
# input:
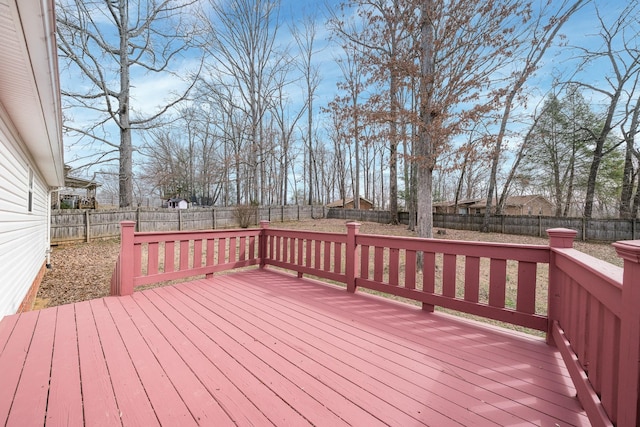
<point x="225" y="350"/>
<point x="153" y="305"/>
<point x="421" y="341"/>
<point x="279" y="353"/>
<point x="541" y="394"/>
<point x="248" y="350"/>
<point x="365" y="373"/>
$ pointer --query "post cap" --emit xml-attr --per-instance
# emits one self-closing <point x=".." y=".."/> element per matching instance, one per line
<point x="628" y="250"/>
<point x="561" y="237"/>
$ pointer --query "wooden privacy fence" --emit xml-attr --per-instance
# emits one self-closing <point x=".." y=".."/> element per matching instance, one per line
<point x="590" y="311"/>
<point x="607" y="230"/>
<point x="77" y="225"/>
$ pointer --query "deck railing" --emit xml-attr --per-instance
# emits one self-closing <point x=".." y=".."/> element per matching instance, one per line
<point x="153" y="257"/>
<point x="590" y="309"/>
<point x="595" y="323"/>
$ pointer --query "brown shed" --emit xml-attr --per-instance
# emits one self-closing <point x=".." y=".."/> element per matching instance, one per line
<point x="348" y="204"/>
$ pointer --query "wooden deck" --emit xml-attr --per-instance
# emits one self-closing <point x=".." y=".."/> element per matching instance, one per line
<point x="261" y="347"/>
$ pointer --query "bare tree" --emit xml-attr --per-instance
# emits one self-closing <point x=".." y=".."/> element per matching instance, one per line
<point x="620" y="52"/>
<point x="245" y="56"/>
<point x="104" y="42"/>
<point x="463" y="45"/>
<point x="346" y="111"/>
<point x="630" y="128"/>
<point x="383" y="39"/>
<point x="542" y="31"/>
<point x="306" y="40"/>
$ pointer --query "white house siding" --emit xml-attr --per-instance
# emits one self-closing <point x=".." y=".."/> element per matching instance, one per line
<point x="23" y="234"/>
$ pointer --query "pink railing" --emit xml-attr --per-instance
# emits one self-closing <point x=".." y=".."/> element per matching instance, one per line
<point x="595" y="322"/>
<point x="461" y="279"/>
<point x="147" y="258"/>
<point x="592" y="311"/>
<point x="313" y="253"/>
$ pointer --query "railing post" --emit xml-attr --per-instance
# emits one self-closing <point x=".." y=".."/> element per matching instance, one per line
<point x="629" y="351"/>
<point x="559" y="238"/>
<point x="262" y="251"/>
<point x="127" y="230"/>
<point x="352" y="260"/>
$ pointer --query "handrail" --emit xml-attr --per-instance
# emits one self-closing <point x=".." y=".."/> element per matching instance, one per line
<point x="591" y="314"/>
<point x="595" y="323"/>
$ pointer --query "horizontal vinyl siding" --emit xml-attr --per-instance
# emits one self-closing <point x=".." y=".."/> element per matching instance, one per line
<point x="23" y="241"/>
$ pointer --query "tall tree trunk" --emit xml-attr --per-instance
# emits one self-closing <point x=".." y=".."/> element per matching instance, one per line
<point x="393" y="139"/>
<point x="424" y="144"/>
<point x="126" y="146"/>
<point x="627" y="184"/>
<point x="593" y="176"/>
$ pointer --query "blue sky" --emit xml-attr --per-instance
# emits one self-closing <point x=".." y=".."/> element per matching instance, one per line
<point x="152" y="90"/>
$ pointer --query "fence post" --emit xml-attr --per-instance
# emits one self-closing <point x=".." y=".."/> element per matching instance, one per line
<point x="262" y="246"/>
<point x="127" y="230"/>
<point x="629" y="351"/>
<point x="87" y="221"/>
<point x="559" y="238"/>
<point x="539" y="225"/>
<point x="352" y="261"/>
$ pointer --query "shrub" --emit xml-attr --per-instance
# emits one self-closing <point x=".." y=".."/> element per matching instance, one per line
<point x="246" y="214"/>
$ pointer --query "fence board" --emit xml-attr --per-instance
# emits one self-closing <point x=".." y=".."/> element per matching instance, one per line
<point x="70" y="225"/>
<point x="599" y="229"/>
<point x="82" y="225"/>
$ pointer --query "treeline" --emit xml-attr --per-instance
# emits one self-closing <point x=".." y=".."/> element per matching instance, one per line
<point x="508" y="98"/>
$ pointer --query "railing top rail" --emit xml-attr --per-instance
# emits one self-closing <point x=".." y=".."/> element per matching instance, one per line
<point x="314" y="235"/>
<point x="164" y="236"/>
<point x="514" y="251"/>
<point x="601" y="269"/>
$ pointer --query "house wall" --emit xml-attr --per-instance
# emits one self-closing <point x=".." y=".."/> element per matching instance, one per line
<point x="23" y="234"/>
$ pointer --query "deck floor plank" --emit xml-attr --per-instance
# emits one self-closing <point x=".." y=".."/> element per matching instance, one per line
<point x="329" y="359"/>
<point x="134" y="407"/>
<point x="64" y="406"/>
<point x="253" y="355"/>
<point x="440" y="351"/>
<point x="226" y="394"/>
<point x="200" y="402"/>
<point x="167" y="404"/>
<point x="98" y="398"/>
<point x="429" y="385"/>
<point x="228" y="371"/>
<point x="353" y="390"/>
<point x="6" y="328"/>
<point x="12" y="360"/>
<point x="30" y="402"/>
<point x="261" y="347"/>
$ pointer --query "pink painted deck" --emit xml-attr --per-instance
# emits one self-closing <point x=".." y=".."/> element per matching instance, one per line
<point x="261" y="347"/>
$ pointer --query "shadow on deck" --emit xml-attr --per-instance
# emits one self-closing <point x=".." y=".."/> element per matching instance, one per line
<point x="261" y="347"/>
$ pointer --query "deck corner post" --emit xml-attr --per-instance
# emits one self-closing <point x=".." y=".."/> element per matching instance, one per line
<point x="559" y="238"/>
<point x="127" y="231"/>
<point x="629" y="351"/>
<point x="262" y="246"/>
<point x="352" y="261"/>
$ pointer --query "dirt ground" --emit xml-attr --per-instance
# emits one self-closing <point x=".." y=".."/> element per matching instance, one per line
<point x="83" y="271"/>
